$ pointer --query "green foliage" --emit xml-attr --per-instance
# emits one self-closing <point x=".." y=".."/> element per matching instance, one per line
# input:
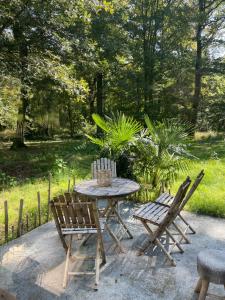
<point x="6" y="181"/>
<point x="9" y="100"/>
<point x="161" y="153"/>
<point x="119" y="134"/>
<point x="59" y="166"/>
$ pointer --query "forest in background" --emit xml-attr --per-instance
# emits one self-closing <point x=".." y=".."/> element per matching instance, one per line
<point x="61" y="61"/>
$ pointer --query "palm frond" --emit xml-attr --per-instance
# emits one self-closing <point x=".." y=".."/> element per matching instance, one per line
<point x="101" y="122"/>
<point x="97" y="141"/>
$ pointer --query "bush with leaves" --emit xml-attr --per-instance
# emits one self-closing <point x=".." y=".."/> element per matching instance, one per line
<point x="154" y="155"/>
<point x="119" y="135"/>
<point x="161" y="152"/>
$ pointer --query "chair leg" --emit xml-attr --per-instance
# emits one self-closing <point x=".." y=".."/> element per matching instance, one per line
<point x="65" y="279"/>
<point x="198" y="286"/>
<point x="102" y="249"/>
<point x="97" y="263"/>
<point x="175" y="241"/>
<point x="113" y="236"/>
<point x="123" y="224"/>
<point x="184" y="237"/>
<point x="158" y="243"/>
<point x="204" y="289"/>
<point x="186" y="223"/>
<point x="84" y="242"/>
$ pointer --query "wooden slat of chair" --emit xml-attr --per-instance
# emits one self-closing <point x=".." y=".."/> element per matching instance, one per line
<point x="65" y="210"/>
<point x="59" y="211"/>
<point x="103" y="164"/>
<point x="98" y="165"/>
<point x="78" y="208"/>
<point x="167" y="216"/>
<point x="57" y="221"/>
<point x="188" y="196"/>
<point x="68" y="197"/>
<point x="192" y="189"/>
<point x="165" y="198"/>
<point x="71" y="211"/>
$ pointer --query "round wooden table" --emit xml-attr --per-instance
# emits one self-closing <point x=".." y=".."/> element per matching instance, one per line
<point x="119" y="188"/>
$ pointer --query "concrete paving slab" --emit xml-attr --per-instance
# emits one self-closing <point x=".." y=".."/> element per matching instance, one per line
<point x="32" y="266"/>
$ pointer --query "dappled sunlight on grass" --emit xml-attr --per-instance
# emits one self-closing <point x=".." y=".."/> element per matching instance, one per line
<point x="34" y="163"/>
<point x="208" y="199"/>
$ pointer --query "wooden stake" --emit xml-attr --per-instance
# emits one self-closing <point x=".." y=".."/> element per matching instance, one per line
<point x="21" y="228"/>
<point x="6" y="221"/>
<point x="49" y="194"/>
<point x="12" y="231"/>
<point x="74" y="181"/>
<point x="68" y="189"/>
<point x="27" y="222"/>
<point x="35" y="220"/>
<point x="20" y="217"/>
<point x="39" y="208"/>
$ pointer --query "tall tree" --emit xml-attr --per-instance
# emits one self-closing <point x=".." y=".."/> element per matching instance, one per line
<point x="210" y="19"/>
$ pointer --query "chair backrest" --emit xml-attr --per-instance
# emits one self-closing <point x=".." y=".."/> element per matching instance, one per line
<point x="174" y="208"/>
<point x="103" y="164"/>
<point x="73" y="211"/>
<point x="193" y="188"/>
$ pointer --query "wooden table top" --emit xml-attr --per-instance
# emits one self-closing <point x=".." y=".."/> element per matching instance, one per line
<point x="120" y="187"/>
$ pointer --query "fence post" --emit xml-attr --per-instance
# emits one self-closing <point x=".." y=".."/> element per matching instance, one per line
<point x="49" y="194"/>
<point x="68" y="189"/>
<point x="20" y="217"/>
<point x="39" y="208"/>
<point x="12" y="231"/>
<point x="74" y="181"/>
<point x="35" y="220"/>
<point x="27" y="222"/>
<point x="6" y="221"/>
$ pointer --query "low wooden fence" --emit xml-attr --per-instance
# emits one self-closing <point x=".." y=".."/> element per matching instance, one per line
<point x="28" y="221"/>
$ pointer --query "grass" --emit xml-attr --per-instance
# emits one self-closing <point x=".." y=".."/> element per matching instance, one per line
<point x="29" y="169"/>
<point x="209" y="198"/>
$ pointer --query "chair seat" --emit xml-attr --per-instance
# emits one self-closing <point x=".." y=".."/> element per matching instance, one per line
<point x="165" y="198"/>
<point x="211" y="265"/>
<point x="152" y="212"/>
<point x="84" y="230"/>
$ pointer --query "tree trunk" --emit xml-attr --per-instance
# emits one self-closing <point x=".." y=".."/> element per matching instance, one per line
<point x="91" y="98"/>
<point x="70" y="117"/>
<point x="21" y="118"/>
<point x="99" y="98"/>
<point x="198" y="65"/>
<point x="19" y="141"/>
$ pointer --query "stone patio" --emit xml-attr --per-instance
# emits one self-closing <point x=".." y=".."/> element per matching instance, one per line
<point x="32" y="266"/>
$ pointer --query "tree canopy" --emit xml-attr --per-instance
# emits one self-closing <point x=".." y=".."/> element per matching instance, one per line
<point x="62" y="61"/>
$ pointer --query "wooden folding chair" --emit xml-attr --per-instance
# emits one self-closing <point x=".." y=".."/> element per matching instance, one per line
<point x="75" y="215"/>
<point x="162" y="216"/>
<point x="167" y="199"/>
<point x="103" y="164"/>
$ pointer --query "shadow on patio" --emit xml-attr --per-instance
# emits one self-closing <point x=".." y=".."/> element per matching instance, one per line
<point x="32" y="266"/>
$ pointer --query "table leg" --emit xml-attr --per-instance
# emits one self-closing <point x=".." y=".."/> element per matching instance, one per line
<point x="112" y="208"/>
<point x="123" y="224"/>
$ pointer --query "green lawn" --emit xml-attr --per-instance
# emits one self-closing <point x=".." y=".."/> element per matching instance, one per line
<point x="30" y="167"/>
<point x="209" y="198"/>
